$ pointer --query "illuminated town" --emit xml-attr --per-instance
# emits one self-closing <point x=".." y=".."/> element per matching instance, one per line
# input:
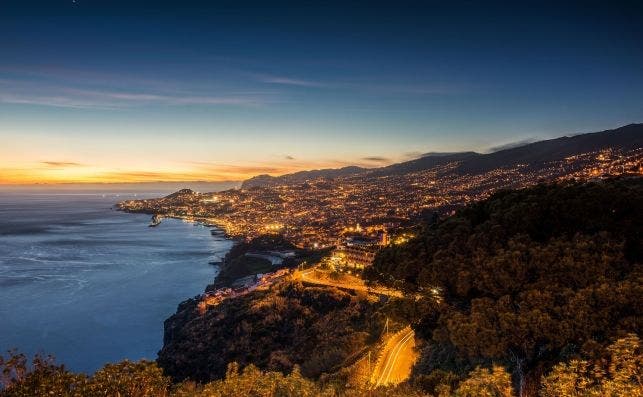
<point x="323" y="212"/>
<point x="354" y="217"/>
<point x="321" y="198"/>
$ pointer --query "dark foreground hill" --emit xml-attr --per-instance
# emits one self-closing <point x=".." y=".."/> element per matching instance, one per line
<point x="315" y="328"/>
<point x="527" y="278"/>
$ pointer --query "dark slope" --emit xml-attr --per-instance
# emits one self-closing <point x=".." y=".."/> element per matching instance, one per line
<point x="301" y="176"/>
<point x="181" y="194"/>
<point x="627" y="138"/>
<point x="425" y="162"/>
<point x="314" y="328"/>
<point x="535" y="154"/>
<point x="527" y="278"/>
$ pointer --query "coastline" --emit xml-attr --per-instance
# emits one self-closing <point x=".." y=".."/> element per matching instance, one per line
<point x="91" y="285"/>
<point x="220" y="280"/>
<point x="207" y="222"/>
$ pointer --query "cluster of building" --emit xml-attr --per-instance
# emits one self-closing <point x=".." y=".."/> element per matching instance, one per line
<point x="358" y="251"/>
<point x="318" y="213"/>
<point x="245" y="286"/>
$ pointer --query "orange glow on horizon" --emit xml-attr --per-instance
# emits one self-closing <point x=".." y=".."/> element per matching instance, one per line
<point x="101" y="175"/>
<point x="63" y="172"/>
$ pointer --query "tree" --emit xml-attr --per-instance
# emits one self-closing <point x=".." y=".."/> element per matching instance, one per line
<point x="45" y="378"/>
<point x="42" y="378"/>
<point x="253" y="382"/>
<point x="127" y="378"/>
<point x="618" y="376"/>
<point x="483" y="382"/>
<point x="530" y="276"/>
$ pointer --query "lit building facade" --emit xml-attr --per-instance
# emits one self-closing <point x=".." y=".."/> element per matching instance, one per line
<point x="359" y="252"/>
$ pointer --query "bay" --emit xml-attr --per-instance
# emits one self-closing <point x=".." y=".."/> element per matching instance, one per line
<point x="90" y="284"/>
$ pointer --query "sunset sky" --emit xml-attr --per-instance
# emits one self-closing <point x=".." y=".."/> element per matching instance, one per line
<point x="115" y="91"/>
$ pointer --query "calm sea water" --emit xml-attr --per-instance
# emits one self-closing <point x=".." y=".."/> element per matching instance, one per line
<point x="92" y="285"/>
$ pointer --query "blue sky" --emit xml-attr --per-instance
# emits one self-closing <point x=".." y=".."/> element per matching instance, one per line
<point x="137" y="91"/>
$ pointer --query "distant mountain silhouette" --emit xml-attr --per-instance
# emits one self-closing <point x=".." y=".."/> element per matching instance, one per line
<point x="627" y="137"/>
<point x="429" y="160"/>
<point x="180" y="194"/>
<point x="301" y="176"/>
<point x="534" y="154"/>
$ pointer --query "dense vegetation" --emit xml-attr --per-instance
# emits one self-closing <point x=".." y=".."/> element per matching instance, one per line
<point x="315" y="328"/>
<point x="525" y="279"/>
<point x="618" y="375"/>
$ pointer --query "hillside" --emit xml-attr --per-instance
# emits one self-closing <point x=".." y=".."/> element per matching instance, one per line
<point x="301" y="176"/>
<point x="526" y="279"/>
<point x="535" y="155"/>
<point x="425" y="162"/>
<point x="531" y="292"/>
<point x="315" y="328"/>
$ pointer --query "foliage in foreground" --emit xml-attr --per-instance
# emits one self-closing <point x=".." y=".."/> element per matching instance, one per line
<point x="525" y="279"/>
<point x="45" y="378"/>
<point x="620" y="375"/>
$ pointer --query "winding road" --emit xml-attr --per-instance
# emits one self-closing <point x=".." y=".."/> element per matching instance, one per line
<point x="398" y="355"/>
<point x="309" y="277"/>
<point x="396" y="360"/>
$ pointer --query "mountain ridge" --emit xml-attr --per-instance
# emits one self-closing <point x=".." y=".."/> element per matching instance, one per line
<point x="533" y="154"/>
<point x="300" y="176"/>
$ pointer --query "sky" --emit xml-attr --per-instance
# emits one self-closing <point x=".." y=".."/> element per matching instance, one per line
<point x="129" y="91"/>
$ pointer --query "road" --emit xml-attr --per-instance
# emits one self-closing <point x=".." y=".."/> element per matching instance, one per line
<point x="398" y="355"/>
<point x="396" y="361"/>
<point x="309" y="277"/>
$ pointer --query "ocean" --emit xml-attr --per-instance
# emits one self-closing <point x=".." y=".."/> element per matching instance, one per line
<point x="91" y="285"/>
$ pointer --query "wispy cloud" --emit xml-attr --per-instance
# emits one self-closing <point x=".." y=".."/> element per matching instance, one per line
<point x="52" y="101"/>
<point x="374" y="87"/>
<point x="73" y="172"/>
<point x="511" y="145"/>
<point x="26" y="92"/>
<point x="241" y="99"/>
<point x="376" y="159"/>
<point x="419" y="88"/>
<point x="116" y="100"/>
<point x="246" y="169"/>
<point x="81" y="89"/>
<point x="61" y="164"/>
<point x="217" y="171"/>
<point x="291" y="81"/>
<point x="412" y="155"/>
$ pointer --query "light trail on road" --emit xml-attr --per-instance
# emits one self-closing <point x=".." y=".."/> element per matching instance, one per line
<point x="392" y="366"/>
<point x="397" y="359"/>
<point x="308" y="276"/>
